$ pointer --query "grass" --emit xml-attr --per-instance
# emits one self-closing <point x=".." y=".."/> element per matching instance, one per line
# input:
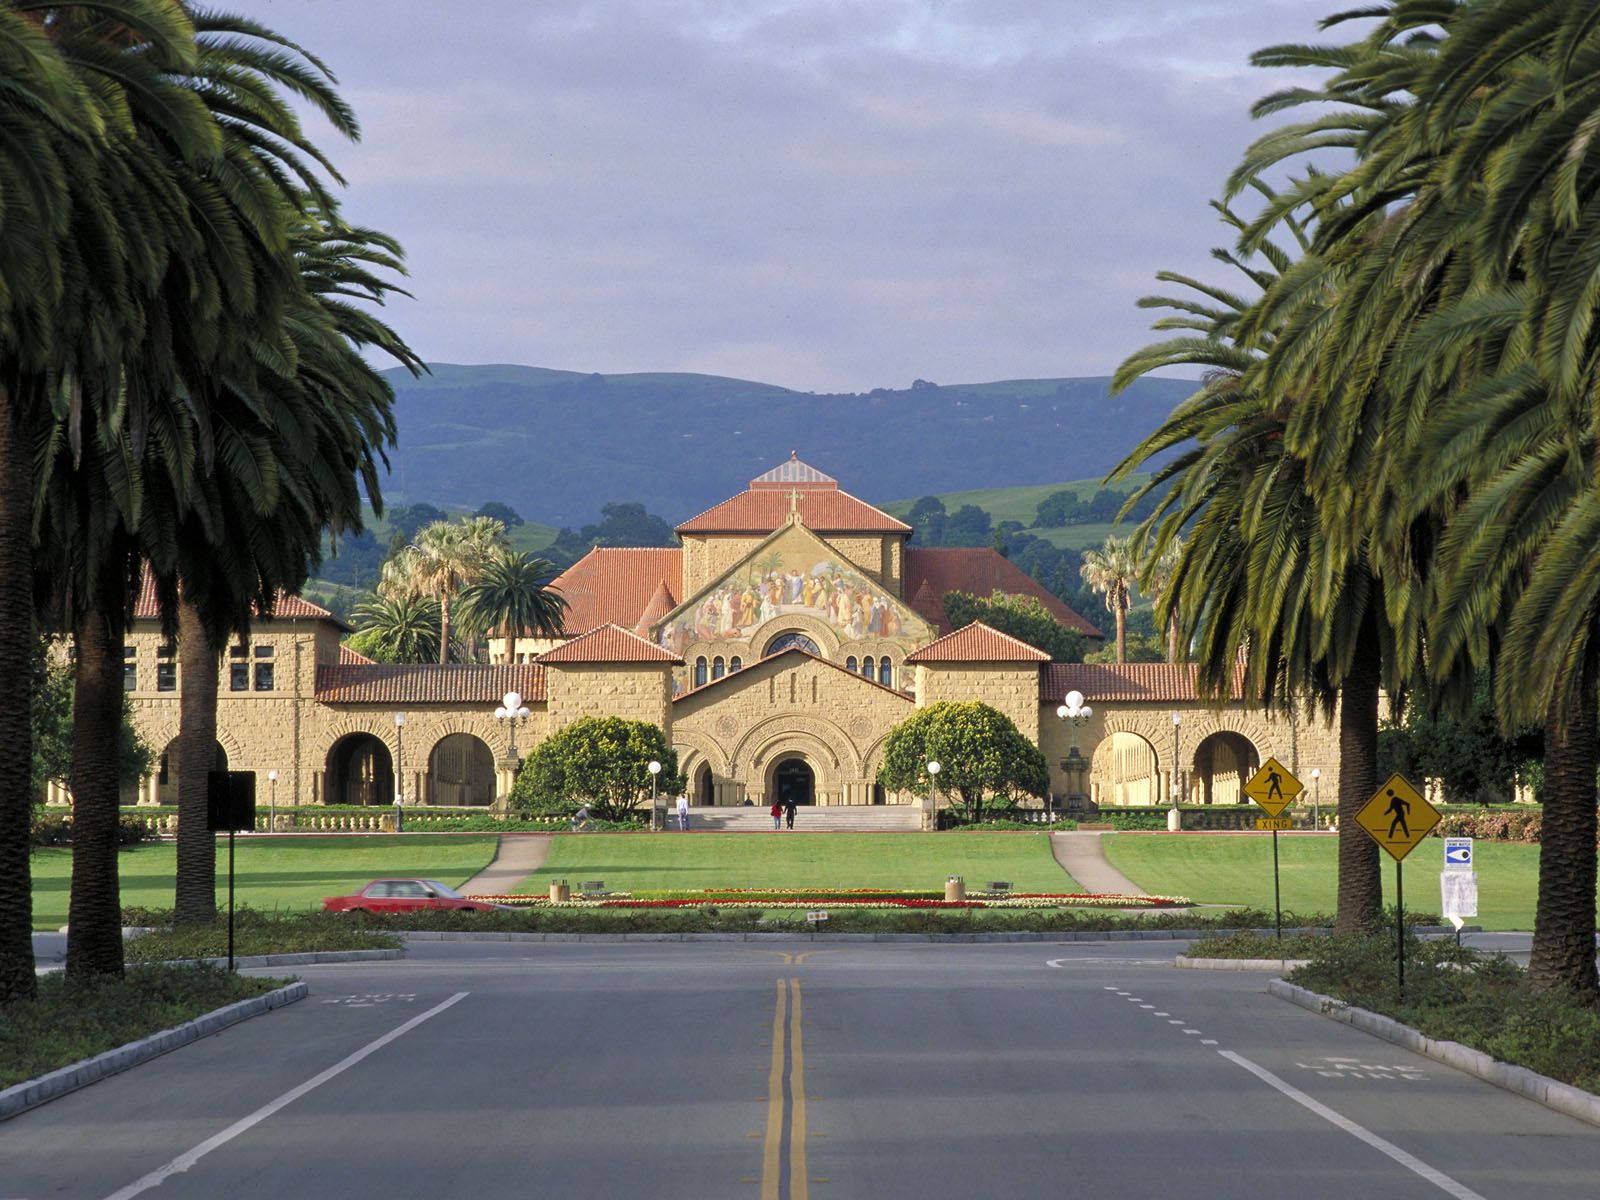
<point x="69" y="1022"/>
<point x="282" y="872"/>
<point x="253" y="933"/>
<point x="1236" y="869"/>
<point x="639" y="862"/>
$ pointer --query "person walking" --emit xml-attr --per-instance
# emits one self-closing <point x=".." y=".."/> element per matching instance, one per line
<point x="788" y="812"/>
<point x="777" y="814"/>
<point x="683" y="814"/>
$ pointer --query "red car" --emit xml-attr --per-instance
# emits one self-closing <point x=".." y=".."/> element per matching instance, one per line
<point x="405" y="895"/>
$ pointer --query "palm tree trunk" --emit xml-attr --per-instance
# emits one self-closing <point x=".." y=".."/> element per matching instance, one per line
<point x="1172" y="637"/>
<point x="94" y="914"/>
<point x="1360" y="883"/>
<point x="1563" y="923"/>
<point x="195" y="895"/>
<point x="1122" y="631"/>
<point x="444" y="626"/>
<point x="17" y="979"/>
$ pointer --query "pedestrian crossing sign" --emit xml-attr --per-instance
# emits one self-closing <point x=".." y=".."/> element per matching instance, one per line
<point x="1397" y="817"/>
<point x="1273" y="788"/>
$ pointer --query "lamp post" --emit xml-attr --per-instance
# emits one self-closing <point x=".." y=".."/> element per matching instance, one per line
<point x="1316" y="797"/>
<point x="658" y="818"/>
<point x="272" y="784"/>
<point x="512" y="710"/>
<point x="399" y="771"/>
<point x="1174" y="818"/>
<point x="1076" y="713"/>
<point x="933" y="804"/>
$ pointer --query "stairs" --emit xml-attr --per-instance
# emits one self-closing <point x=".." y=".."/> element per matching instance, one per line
<point x="844" y="818"/>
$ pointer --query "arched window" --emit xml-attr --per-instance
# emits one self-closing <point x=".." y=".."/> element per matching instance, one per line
<point x="885" y="671"/>
<point x="785" y="640"/>
<point x="868" y="668"/>
<point x="718" y="667"/>
<point x="735" y="664"/>
<point x="850" y="663"/>
<point x="699" y="670"/>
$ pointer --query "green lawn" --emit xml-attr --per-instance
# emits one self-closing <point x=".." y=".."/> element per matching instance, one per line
<point x="1237" y="869"/>
<point x="641" y="862"/>
<point x="285" y="872"/>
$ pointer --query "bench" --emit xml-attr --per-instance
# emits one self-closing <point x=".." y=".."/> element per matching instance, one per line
<point x="592" y="887"/>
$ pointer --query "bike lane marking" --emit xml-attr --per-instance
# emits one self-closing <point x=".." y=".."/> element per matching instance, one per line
<point x="186" y="1160"/>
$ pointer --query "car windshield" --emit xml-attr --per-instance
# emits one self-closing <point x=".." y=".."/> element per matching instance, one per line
<point x="440" y="889"/>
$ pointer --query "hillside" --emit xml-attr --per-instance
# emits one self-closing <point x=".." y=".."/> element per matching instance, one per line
<point x="556" y="445"/>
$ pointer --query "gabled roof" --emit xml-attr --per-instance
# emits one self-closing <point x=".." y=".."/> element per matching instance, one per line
<point x="286" y="608"/>
<point x="617" y="584"/>
<point x="353" y="658"/>
<point x="421" y="683"/>
<point x="1128" y="683"/>
<point x="754" y="668"/>
<point x="608" y="644"/>
<point x="978" y="643"/>
<point x="826" y="510"/>
<point x="978" y="571"/>
<point x="793" y="473"/>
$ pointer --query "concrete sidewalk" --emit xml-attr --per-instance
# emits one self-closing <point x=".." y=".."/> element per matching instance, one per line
<point x="1082" y="857"/>
<point x="518" y="856"/>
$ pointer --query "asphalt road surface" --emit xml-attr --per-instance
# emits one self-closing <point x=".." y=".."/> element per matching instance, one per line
<point x="798" y="1070"/>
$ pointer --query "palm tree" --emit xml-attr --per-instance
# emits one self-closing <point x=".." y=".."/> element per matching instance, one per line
<point x="513" y="593"/>
<point x="1157" y="577"/>
<point x="441" y="560"/>
<point x="1112" y="571"/>
<point x="398" y="628"/>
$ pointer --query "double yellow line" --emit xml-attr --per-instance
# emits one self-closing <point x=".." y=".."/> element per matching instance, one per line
<point x="786" y="1021"/>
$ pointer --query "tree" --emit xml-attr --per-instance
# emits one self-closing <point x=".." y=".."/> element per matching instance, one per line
<point x="619" y="525"/>
<point x="1159" y="573"/>
<point x="1052" y="512"/>
<point x="397" y="629"/>
<point x="967" y="526"/>
<point x="513" y="593"/>
<point x="504" y="513"/>
<point x="980" y="753"/>
<point x="1023" y="617"/>
<point x="442" y="559"/>
<point x="599" y="761"/>
<point x="927" y="518"/>
<point x="1111" y="571"/>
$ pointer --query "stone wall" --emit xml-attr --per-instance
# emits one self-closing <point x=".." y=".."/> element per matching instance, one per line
<point x="1012" y="688"/>
<point x="634" y="691"/>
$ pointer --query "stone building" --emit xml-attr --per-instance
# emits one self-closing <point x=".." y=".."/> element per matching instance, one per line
<point x="777" y="646"/>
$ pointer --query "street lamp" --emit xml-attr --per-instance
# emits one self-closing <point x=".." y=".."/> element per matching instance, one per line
<point x="657" y="815"/>
<point x="1316" y="797"/>
<point x="272" y="782"/>
<point x="933" y="779"/>
<point x="399" y="771"/>
<point x="1077" y="713"/>
<point x="513" y="710"/>
<point x="1177" y="724"/>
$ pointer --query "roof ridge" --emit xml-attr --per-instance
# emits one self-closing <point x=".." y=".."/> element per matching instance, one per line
<point x="970" y="633"/>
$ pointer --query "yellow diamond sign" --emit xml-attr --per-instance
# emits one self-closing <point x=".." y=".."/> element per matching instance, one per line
<point x="1397" y="817"/>
<point x="1273" y="788"/>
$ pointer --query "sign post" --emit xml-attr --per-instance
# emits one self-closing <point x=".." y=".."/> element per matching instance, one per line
<point x="1397" y="818"/>
<point x="230" y="805"/>
<point x="1458" y="883"/>
<point x="1273" y="788"/>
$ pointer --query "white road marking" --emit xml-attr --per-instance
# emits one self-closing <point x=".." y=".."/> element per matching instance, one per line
<point x="184" y="1161"/>
<point x="1196" y="1032"/>
<point x="1208" y="1041"/>
<point x="1409" y="1161"/>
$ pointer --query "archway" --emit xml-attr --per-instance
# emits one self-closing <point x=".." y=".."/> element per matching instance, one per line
<point x="1223" y="764"/>
<point x="1123" y="770"/>
<point x="705" y="788"/>
<point x="785" y="641"/>
<point x="460" y="771"/>
<point x="793" y="779"/>
<point x="167" y="771"/>
<point x="359" y="771"/>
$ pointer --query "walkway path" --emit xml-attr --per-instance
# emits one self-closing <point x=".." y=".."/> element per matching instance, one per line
<point x="1082" y="857"/>
<point x="518" y="856"/>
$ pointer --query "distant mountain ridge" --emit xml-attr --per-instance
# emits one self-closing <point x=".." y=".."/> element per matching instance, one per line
<point x="556" y="445"/>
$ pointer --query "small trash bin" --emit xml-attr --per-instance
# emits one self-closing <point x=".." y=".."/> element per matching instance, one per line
<point x="955" y="888"/>
<point x="560" y="891"/>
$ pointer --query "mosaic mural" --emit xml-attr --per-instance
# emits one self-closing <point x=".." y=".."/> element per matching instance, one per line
<point x="788" y="579"/>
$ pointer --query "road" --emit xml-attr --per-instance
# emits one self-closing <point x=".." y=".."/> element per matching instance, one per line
<point x="792" y="1070"/>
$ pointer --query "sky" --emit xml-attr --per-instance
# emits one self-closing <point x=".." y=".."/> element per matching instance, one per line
<point x="829" y="195"/>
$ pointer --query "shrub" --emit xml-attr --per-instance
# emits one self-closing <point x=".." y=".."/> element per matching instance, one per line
<point x="55" y="829"/>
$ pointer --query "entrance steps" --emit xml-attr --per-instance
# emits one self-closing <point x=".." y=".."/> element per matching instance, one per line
<point x="843" y="818"/>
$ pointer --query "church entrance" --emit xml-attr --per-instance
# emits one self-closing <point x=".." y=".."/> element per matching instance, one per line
<point x="793" y="779"/>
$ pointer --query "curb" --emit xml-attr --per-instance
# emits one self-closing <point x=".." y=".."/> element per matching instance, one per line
<point x="1541" y="1089"/>
<point x="33" y="1092"/>
<point x="1113" y="935"/>
<point x="1239" y="964"/>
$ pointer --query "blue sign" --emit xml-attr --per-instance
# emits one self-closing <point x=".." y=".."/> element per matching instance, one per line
<point x="1458" y="853"/>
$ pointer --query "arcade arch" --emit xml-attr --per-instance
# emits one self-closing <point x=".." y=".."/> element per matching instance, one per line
<point x="359" y="770"/>
<point x="460" y="771"/>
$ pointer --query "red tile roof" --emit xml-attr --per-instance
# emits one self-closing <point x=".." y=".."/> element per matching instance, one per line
<point x="978" y="571"/>
<point x="978" y="643"/>
<point x="1127" y="683"/>
<point x="413" y="683"/>
<point x="617" y="584"/>
<point x="824" y="509"/>
<point x="608" y="643"/>
<point x="287" y="607"/>
<point x="351" y="658"/>
<point x="660" y="605"/>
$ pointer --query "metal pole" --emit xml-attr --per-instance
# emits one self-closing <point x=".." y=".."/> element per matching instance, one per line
<point x="1277" y="904"/>
<point x="230" y="896"/>
<point x="1400" y="928"/>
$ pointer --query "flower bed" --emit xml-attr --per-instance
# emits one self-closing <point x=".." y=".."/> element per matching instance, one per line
<point x="868" y="898"/>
